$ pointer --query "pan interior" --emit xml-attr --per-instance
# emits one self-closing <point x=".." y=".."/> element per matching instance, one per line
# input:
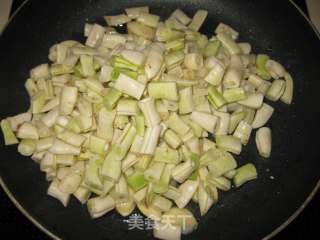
<point x="251" y="212"/>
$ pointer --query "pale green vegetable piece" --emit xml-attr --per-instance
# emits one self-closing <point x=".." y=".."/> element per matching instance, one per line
<point x="8" y="135"/>
<point x="244" y="174"/>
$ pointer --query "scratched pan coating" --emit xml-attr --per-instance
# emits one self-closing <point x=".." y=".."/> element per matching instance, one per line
<point x="251" y="212"/>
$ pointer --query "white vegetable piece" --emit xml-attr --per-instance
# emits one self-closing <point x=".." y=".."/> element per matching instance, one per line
<point x="187" y="189"/>
<point x="55" y="192"/>
<point x="95" y="35"/>
<point x="28" y="131"/>
<point x="129" y="86"/>
<point x="17" y="120"/>
<point x="150" y="140"/>
<point x="68" y="99"/>
<point x="205" y="120"/>
<point x="166" y="232"/>
<point x="263" y="141"/>
<point x="154" y="61"/>
<point x="262" y="116"/>
<point x="148" y="108"/>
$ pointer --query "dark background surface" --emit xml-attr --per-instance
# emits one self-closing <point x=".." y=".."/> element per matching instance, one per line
<point x="13" y="223"/>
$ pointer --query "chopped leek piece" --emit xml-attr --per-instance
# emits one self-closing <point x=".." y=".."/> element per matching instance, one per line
<point x="185" y="101"/>
<point x="163" y="90"/>
<point x="198" y="20"/>
<point x="243" y="132"/>
<point x="288" y="92"/>
<point x="229" y="143"/>
<point x="276" y="90"/>
<point x="111" y="98"/>
<point x="8" y="135"/>
<point x="136" y="181"/>
<point x="26" y="147"/>
<point x="187" y="189"/>
<point x="262" y="71"/>
<point x="99" y="206"/>
<point x="235" y="119"/>
<point x="140" y="29"/>
<point x="263" y="141"/>
<point x="215" y="97"/>
<point x="218" y="161"/>
<point x="244" y="174"/>
<point x="177" y="124"/>
<point x="212" y="48"/>
<point x="262" y="116"/>
<point x="234" y="94"/>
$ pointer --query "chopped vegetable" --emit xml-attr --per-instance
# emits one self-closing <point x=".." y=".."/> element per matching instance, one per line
<point x="244" y="174"/>
<point x="128" y="118"/>
<point x="263" y="141"/>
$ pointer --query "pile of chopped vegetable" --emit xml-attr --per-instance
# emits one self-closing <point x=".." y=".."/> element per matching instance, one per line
<point x="124" y="119"/>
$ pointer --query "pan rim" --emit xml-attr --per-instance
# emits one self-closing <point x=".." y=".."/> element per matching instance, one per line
<point x="273" y="233"/>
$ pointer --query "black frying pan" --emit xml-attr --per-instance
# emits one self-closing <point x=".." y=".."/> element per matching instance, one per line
<point x="260" y="208"/>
